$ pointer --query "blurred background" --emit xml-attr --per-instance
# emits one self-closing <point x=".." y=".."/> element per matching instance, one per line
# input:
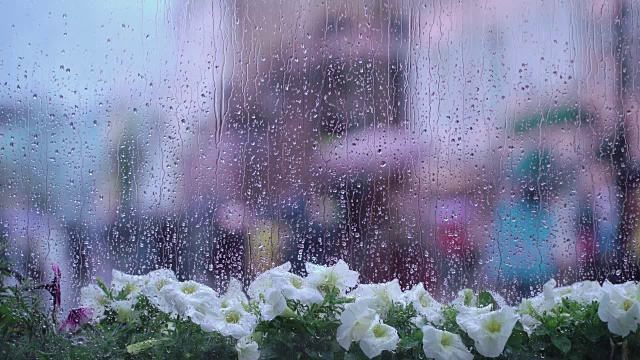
<point x="484" y="144"/>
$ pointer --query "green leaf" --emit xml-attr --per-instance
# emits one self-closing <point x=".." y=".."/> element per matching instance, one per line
<point x="409" y="343"/>
<point x="562" y="343"/>
<point x="486" y="299"/>
<point x="593" y="333"/>
<point x="518" y="338"/>
<point x="316" y="355"/>
<point x="104" y="288"/>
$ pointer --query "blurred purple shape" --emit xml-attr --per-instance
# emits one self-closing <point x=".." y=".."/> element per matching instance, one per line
<point x="54" y="287"/>
<point x="76" y="319"/>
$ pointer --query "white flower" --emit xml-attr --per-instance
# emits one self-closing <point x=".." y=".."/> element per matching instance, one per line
<point x="466" y="298"/>
<point x="266" y="290"/>
<point x="528" y="309"/>
<point x="265" y="281"/>
<point x="470" y="312"/>
<point x="233" y="321"/>
<point x="124" y="309"/>
<point x="380" y="296"/>
<point x="188" y="296"/>
<point x="443" y="345"/>
<point x="337" y="276"/>
<point x="229" y="316"/>
<point x="273" y="304"/>
<point x="377" y="338"/>
<point x="295" y="287"/>
<point x="131" y="285"/>
<point x="202" y="311"/>
<point x="94" y="298"/>
<point x="355" y="320"/>
<point x="584" y="292"/>
<point x="247" y="349"/>
<point x="537" y="305"/>
<point x="490" y="331"/>
<point x="234" y="294"/>
<point x="158" y="279"/>
<point x="619" y="307"/>
<point x="425" y="304"/>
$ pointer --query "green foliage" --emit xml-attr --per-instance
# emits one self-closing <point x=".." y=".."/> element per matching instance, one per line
<point x="28" y="332"/>
<point x="308" y="335"/>
<point x="410" y="346"/>
<point x="572" y="331"/>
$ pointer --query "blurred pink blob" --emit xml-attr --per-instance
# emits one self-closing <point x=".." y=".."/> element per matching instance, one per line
<point x="76" y="319"/>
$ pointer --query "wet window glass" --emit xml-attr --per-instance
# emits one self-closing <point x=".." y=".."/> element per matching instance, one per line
<point x="482" y="144"/>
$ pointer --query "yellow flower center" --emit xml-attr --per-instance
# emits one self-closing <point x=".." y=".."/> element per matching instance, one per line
<point x="189" y="289"/>
<point x="627" y="304"/>
<point x="296" y="283"/>
<point x="493" y="326"/>
<point x="103" y="300"/>
<point x="447" y="340"/>
<point x="424" y="300"/>
<point x="331" y="280"/>
<point x="379" y="331"/>
<point x="161" y="284"/>
<point x="232" y="317"/>
<point x="130" y="288"/>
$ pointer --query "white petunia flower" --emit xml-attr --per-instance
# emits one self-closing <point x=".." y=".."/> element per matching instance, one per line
<point x="234" y="294"/>
<point x="188" y="296"/>
<point x="443" y="345"/>
<point x="158" y="279"/>
<point x="465" y="299"/>
<point x="470" y="312"/>
<point x="584" y="292"/>
<point x="489" y="331"/>
<point x="266" y="290"/>
<point x="528" y="310"/>
<point x="233" y="321"/>
<point x="247" y="349"/>
<point x="425" y="304"/>
<point x="295" y="287"/>
<point x="468" y="299"/>
<point x="619" y="307"/>
<point x="265" y="280"/>
<point x="377" y="338"/>
<point x="124" y="309"/>
<point x="291" y="285"/>
<point x="380" y="296"/>
<point x="337" y="276"/>
<point x="202" y="311"/>
<point x="355" y="320"/>
<point x="537" y="305"/>
<point x="94" y="298"/>
<point x="272" y="304"/>
<point x="131" y="285"/>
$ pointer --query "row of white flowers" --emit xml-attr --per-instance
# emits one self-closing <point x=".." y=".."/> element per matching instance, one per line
<point x="363" y="320"/>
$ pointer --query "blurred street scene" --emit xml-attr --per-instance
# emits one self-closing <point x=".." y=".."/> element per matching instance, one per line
<point x="489" y="144"/>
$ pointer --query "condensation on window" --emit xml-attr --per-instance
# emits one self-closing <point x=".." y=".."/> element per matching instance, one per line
<point x="484" y="144"/>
